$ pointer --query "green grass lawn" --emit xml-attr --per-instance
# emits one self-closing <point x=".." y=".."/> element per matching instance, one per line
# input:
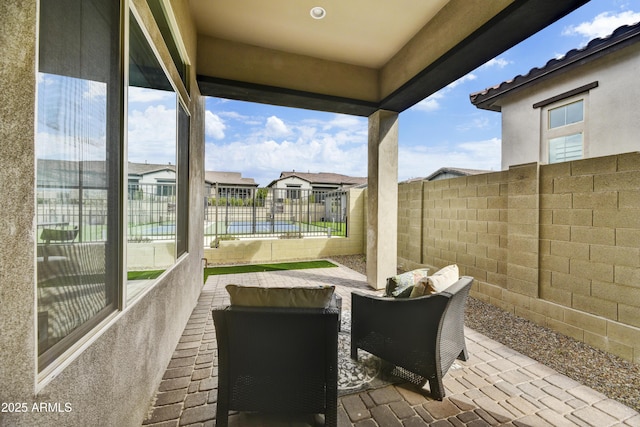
<point x="255" y="268"/>
<point x="144" y="275"/>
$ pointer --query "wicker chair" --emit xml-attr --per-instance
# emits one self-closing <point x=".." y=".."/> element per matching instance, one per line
<point x="277" y="360"/>
<point x="421" y="336"/>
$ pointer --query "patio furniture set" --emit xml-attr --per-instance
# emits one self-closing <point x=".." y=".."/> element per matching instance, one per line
<point x="277" y="347"/>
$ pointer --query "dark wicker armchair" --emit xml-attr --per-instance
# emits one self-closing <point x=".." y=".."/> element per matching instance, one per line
<point x="422" y="335"/>
<point x="277" y="360"/>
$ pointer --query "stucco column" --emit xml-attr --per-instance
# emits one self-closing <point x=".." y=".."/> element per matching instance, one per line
<point x="382" y="208"/>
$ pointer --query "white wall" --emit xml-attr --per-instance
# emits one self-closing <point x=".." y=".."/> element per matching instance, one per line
<point x="611" y="110"/>
<point x="293" y="180"/>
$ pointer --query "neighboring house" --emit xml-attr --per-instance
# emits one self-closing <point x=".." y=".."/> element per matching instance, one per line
<point x="229" y="184"/>
<point x="323" y="187"/>
<point x="152" y="178"/>
<point x="446" y="173"/>
<point x="323" y="181"/>
<point x="582" y="105"/>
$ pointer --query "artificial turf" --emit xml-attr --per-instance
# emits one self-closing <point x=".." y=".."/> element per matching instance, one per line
<point x="255" y="268"/>
<point x="144" y="275"/>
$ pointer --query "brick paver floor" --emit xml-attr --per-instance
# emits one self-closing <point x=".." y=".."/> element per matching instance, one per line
<point x="496" y="386"/>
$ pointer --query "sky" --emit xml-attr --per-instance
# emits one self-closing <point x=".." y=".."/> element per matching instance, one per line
<point x="443" y="130"/>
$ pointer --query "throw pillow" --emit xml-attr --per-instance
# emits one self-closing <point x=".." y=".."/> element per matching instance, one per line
<point x="400" y="286"/>
<point x="438" y="282"/>
<point x="255" y="296"/>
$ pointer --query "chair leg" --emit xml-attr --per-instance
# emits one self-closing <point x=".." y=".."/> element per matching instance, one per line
<point x="354" y="352"/>
<point x="331" y="414"/>
<point x="222" y="412"/>
<point x="463" y="354"/>
<point x="437" y="388"/>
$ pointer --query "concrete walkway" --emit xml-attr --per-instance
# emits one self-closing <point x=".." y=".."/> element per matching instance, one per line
<point x="496" y="386"/>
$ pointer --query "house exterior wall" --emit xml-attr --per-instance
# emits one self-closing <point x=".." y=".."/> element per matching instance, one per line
<point x="292" y="180"/>
<point x="556" y="244"/>
<point x="609" y="106"/>
<point x="111" y="377"/>
<point x="163" y="176"/>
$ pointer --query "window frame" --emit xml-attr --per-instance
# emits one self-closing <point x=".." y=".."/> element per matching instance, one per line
<point x="548" y="133"/>
<point x="56" y="357"/>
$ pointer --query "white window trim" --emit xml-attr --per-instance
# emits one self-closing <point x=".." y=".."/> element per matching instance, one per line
<point x="547" y="134"/>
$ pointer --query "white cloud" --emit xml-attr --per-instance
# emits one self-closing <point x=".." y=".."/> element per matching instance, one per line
<point x="466" y="78"/>
<point x="432" y="102"/>
<point x="337" y="144"/>
<point x="602" y="25"/>
<point x="421" y="161"/>
<point x="214" y="126"/>
<point x="475" y="123"/>
<point x="95" y="90"/>
<point x="264" y="160"/>
<point x="232" y="115"/>
<point x="496" y="62"/>
<point x="139" y="94"/>
<point x="344" y="121"/>
<point x="51" y="145"/>
<point x="152" y="135"/>
<point x="276" y="127"/>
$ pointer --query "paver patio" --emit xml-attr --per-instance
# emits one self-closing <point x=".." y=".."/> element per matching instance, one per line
<point x="496" y="386"/>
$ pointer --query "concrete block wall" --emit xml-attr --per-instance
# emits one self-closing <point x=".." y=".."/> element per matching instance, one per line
<point x="557" y="244"/>
<point x="590" y="250"/>
<point x="274" y="250"/>
<point x="410" y="225"/>
<point x="465" y="222"/>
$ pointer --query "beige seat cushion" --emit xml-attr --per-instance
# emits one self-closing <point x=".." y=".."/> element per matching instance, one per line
<point x="438" y="282"/>
<point x="301" y="297"/>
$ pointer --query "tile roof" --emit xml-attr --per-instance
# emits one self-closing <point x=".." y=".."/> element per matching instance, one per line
<point x="596" y="48"/>
<point x="324" y="178"/>
<point x="145" y="168"/>
<point x="228" y="178"/>
<point x="457" y="171"/>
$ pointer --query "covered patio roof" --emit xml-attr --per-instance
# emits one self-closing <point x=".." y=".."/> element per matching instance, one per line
<point x="363" y="56"/>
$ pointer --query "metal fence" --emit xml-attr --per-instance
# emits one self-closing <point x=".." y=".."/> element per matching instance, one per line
<point x="230" y="212"/>
<point x="73" y="209"/>
<point x="233" y="212"/>
<point x="151" y="212"/>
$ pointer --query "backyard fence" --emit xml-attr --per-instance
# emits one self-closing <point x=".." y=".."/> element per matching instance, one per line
<point x="232" y="212"/>
<point x="151" y="213"/>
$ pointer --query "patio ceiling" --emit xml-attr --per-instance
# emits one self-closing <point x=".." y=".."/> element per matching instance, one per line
<point x="364" y="55"/>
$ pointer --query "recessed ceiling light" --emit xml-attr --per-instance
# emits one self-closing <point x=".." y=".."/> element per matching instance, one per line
<point x="318" y="12"/>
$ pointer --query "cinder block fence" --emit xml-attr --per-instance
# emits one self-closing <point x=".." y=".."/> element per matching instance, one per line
<point x="557" y="244"/>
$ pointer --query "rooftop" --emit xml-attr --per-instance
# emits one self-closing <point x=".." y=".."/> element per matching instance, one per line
<point x="595" y="49"/>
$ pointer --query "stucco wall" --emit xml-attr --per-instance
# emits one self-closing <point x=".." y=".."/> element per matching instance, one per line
<point x="556" y="244"/>
<point x="609" y="106"/>
<point x="269" y="250"/>
<point x="111" y="377"/>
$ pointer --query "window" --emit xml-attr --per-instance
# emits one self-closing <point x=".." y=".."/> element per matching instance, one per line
<point x="565" y="148"/>
<point x="78" y="145"/>
<point x="293" y="191"/>
<point x="566" y="115"/>
<point x="159" y="11"/>
<point x="152" y="142"/>
<point x="84" y="209"/>
<point x="182" y="231"/>
<point x="563" y="130"/>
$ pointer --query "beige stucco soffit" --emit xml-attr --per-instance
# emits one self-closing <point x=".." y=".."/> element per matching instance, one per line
<point x="448" y="41"/>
